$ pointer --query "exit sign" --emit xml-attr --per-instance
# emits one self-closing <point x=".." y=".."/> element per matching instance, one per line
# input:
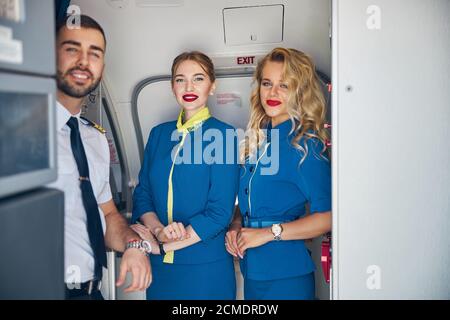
<point x="250" y="60"/>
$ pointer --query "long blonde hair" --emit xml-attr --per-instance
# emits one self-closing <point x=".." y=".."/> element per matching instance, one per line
<point x="306" y="103"/>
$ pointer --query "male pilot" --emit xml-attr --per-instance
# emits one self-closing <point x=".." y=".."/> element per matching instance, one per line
<point x="83" y="172"/>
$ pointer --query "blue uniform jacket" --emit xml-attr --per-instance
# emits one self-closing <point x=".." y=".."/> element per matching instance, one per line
<point x="203" y="194"/>
<point x="281" y="197"/>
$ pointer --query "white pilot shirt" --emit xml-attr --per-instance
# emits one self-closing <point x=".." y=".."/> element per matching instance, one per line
<point x="79" y="258"/>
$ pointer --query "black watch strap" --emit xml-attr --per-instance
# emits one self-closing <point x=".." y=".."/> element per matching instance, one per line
<point x="161" y="249"/>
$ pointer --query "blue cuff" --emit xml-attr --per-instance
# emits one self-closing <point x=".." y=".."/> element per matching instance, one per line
<point x="205" y="227"/>
<point x="137" y="213"/>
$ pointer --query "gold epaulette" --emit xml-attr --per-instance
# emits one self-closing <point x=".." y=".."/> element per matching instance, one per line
<point x="94" y="125"/>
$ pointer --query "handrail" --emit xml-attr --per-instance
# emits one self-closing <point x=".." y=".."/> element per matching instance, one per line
<point x="141" y="85"/>
<point x="220" y="74"/>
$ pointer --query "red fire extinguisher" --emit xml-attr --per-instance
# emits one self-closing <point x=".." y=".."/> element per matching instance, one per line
<point x="326" y="257"/>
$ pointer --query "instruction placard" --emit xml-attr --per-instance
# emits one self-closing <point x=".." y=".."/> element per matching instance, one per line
<point x="11" y="51"/>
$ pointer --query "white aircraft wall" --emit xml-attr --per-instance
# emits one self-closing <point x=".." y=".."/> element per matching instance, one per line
<point x="391" y="155"/>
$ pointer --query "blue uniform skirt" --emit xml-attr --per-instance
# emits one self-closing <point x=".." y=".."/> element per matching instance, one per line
<point x="296" y="288"/>
<point x="208" y="281"/>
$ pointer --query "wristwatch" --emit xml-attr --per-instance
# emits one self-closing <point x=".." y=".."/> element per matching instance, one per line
<point x="277" y="229"/>
<point x="142" y="245"/>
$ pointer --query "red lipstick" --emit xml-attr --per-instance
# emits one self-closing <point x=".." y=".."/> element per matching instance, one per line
<point x="190" y="97"/>
<point x="273" y="103"/>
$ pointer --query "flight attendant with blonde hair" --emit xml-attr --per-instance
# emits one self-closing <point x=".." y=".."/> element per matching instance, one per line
<point x="269" y="229"/>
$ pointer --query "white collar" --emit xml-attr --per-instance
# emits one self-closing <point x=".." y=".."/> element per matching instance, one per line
<point x="63" y="115"/>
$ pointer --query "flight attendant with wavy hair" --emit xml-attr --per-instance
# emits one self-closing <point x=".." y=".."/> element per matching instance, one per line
<point x="269" y="229"/>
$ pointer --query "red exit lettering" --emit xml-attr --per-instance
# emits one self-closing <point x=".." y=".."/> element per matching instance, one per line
<point x="246" y="60"/>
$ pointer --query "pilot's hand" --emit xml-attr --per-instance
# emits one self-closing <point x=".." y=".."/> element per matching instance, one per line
<point x="136" y="262"/>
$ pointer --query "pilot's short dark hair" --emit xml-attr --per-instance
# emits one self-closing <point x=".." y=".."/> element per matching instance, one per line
<point x="85" y="22"/>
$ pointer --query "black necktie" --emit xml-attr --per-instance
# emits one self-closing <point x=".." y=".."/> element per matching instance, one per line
<point x="94" y="224"/>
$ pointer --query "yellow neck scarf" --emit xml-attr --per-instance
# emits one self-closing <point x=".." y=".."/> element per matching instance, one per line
<point x="190" y="125"/>
<point x="193" y="122"/>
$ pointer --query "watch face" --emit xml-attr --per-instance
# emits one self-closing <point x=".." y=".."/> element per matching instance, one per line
<point x="146" y="246"/>
<point x="276" y="229"/>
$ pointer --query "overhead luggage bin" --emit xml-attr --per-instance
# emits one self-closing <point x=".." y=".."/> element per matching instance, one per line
<point x="253" y="25"/>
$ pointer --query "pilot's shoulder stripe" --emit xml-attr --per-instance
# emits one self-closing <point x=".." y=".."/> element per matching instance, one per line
<point x="93" y="124"/>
